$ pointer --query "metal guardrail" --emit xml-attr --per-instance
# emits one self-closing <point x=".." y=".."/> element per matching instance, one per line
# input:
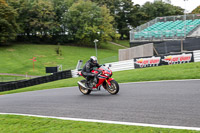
<point x="121" y="65"/>
<point x="74" y="73"/>
<point x="196" y="56"/>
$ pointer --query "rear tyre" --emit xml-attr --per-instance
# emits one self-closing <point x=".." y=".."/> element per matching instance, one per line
<point x="114" y="87"/>
<point x="84" y="90"/>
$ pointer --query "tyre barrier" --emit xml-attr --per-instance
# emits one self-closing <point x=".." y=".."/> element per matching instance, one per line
<point x="6" y="86"/>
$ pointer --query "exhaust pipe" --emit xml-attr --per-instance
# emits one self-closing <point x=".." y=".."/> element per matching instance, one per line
<point x="81" y="84"/>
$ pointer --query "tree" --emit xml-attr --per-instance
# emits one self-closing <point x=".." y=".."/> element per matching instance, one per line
<point x="160" y="9"/>
<point x="24" y="18"/>
<point x="86" y="21"/>
<point x="127" y="17"/>
<point x="125" y="13"/>
<point x="42" y="18"/>
<point x="106" y="30"/>
<point x="36" y="18"/>
<point x="196" y="10"/>
<point x="8" y="26"/>
<point x="60" y="8"/>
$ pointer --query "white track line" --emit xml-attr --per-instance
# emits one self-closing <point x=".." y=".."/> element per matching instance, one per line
<point x="108" y="122"/>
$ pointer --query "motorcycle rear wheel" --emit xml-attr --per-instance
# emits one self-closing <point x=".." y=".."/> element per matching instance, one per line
<point x="84" y="90"/>
<point x="114" y="87"/>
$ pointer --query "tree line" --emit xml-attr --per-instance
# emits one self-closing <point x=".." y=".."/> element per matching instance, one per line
<point x="76" y="21"/>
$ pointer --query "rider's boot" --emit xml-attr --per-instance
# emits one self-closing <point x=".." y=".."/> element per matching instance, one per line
<point x="87" y="85"/>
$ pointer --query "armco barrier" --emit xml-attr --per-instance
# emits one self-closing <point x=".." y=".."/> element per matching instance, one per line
<point x="74" y="73"/>
<point x="35" y="81"/>
<point x="121" y="65"/>
<point x="197" y="56"/>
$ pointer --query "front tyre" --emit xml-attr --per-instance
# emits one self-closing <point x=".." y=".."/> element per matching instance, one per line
<point x="84" y="90"/>
<point x="114" y="87"/>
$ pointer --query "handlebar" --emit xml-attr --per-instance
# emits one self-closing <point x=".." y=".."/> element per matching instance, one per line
<point x="99" y="71"/>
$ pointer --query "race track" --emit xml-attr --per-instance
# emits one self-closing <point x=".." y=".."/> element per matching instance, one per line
<point x="175" y="103"/>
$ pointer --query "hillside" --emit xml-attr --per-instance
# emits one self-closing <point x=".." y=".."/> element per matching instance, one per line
<point x="16" y="58"/>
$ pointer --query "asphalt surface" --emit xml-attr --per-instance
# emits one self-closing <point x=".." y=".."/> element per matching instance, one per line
<point x="175" y="103"/>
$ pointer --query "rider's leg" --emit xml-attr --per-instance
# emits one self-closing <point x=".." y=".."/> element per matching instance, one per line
<point x="88" y="77"/>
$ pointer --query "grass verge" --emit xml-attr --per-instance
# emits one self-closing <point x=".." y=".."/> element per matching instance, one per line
<point x="168" y="72"/>
<point x="22" y="124"/>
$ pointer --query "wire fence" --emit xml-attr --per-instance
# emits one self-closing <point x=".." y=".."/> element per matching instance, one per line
<point x="8" y="79"/>
<point x="108" y="60"/>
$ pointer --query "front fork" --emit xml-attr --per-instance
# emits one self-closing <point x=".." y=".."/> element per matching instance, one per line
<point x="108" y="82"/>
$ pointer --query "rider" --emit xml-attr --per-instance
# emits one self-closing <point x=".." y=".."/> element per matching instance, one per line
<point x="88" y="67"/>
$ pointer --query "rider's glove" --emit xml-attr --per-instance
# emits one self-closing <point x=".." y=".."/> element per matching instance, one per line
<point x="99" y="71"/>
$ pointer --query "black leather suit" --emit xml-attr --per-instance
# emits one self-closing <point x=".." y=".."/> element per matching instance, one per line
<point x="88" y="67"/>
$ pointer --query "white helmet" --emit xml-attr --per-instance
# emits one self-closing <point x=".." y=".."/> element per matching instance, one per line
<point x="93" y="59"/>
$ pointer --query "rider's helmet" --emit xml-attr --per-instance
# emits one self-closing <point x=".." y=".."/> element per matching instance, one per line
<point x="93" y="60"/>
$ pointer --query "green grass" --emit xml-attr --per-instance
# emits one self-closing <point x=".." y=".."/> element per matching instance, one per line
<point x="110" y="46"/>
<point x="123" y="42"/>
<point x="24" y="124"/>
<point x="168" y="72"/>
<point x="16" y="58"/>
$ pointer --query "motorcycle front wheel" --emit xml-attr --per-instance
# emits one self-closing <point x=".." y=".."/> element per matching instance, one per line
<point x="84" y="90"/>
<point x="114" y="87"/>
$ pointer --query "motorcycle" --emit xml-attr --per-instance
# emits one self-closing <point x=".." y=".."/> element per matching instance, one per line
<point x="103" y="78"/>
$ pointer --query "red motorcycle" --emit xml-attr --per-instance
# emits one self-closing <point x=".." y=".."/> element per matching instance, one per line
<point x="103" y="78"/>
